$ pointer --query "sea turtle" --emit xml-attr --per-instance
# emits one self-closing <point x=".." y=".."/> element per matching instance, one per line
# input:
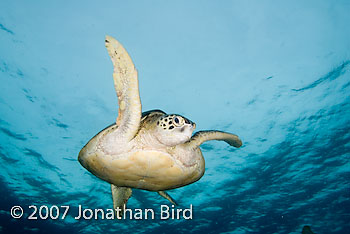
<point x="152" y="150"/>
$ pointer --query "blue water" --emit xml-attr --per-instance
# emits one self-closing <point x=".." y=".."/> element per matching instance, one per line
<point x="276" y="73"/>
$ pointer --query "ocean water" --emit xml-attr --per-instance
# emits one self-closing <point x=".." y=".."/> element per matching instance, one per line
<point x="275" y="73"/>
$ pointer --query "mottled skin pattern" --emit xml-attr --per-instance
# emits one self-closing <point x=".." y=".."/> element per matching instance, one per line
<point x="152" y="150"/>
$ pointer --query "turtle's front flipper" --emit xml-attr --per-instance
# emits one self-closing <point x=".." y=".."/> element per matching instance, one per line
<point x="199" y="137"/>
<point x="120" y="197"/>
<point x="167" y="196"/>
<point x="127" y="87"/>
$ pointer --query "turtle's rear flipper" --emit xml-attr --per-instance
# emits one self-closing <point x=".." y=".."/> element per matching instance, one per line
<point x="167" y="196"/>
<point x="120" y="197"/>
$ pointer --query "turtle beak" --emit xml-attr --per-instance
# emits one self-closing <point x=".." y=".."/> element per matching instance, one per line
<point x="193" y="126"/>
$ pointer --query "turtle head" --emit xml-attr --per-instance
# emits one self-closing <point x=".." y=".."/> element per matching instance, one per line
<point x="173" y="129"/>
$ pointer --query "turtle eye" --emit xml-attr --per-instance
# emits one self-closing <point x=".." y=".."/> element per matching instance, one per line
<point x="177" y="121"/>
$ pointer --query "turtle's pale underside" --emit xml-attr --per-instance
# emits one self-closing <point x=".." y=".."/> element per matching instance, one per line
<point x="153" y="150"/>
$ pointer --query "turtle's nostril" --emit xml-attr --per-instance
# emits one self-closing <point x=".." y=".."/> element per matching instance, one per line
<point x="193" y="125"/>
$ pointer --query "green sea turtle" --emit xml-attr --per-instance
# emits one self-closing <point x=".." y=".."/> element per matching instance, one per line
<point x="153" y="150"/>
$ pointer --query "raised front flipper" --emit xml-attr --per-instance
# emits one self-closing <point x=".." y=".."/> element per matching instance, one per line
<point x="167" y="196"/>
<point x="127" y="88"/>
<point x="199" y="137"/>
<point x="120" y="197"/>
